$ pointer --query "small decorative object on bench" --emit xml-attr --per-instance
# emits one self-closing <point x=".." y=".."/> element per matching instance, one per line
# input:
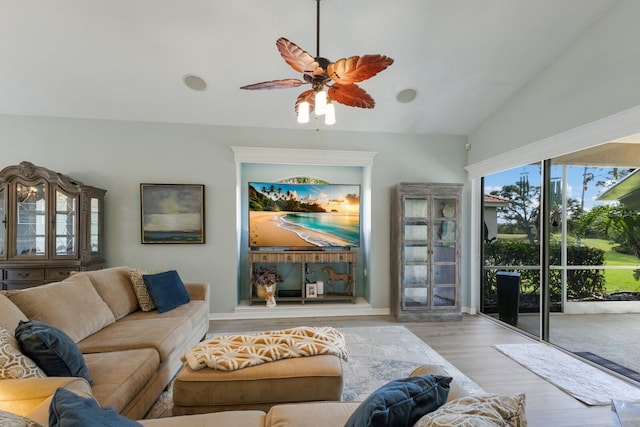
<point x="333" y="276"/>
<point x="266" y="282"/>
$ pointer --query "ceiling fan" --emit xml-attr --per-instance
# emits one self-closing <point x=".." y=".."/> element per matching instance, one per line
<point x="338" y="77"/>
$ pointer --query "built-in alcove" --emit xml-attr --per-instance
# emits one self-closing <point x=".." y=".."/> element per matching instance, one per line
<point x="273" y="165"/>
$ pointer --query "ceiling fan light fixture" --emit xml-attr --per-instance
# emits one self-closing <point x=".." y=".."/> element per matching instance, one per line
<point x="330" y="114"/>
<point x="339" y="76"/>
<point x="303" y="112"/>
<point x="321" y="103"/>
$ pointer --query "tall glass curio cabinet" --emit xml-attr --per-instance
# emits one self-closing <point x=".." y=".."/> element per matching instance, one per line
<point x="425" y="251"/>
<point x="51" y="225"/>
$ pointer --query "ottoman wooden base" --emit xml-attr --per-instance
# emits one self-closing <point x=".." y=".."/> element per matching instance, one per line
<point x="302" y="379"/>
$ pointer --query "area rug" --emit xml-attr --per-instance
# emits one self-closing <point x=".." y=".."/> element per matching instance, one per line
<point x="586" y="383"/>
<point x="377" y="355"/>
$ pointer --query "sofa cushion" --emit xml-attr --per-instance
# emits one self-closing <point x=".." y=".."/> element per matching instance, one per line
<point x="472" y="411"/>
<point x="69" y="409"/>
<point x="222" y="419"/>
<point x="14" y="364"/>
<point x="162" y="334"/>
<point x="79" y="310"/>
<point x="11" y="314"/>
<point x="114" y="287"/>
<point x="311" y="414"/>
<point x="120" y="376"/>
<point x="401" y="402"/>
<point x="51" y="349"/>
<point x="12" y="420"/>
<point x="166" y="290"/>
<point x="140" y="289"/>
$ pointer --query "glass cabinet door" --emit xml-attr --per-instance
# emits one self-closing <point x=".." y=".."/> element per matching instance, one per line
<point x="95" y="230"/>
<point x="444" y="252"/>
<point x="3" y="227"/>
<point x="66" y="225"/>
<point x="416" y="253"/>
<point x="31" y="209"/>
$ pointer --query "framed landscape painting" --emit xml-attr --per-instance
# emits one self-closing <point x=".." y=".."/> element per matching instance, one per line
<point x="172" y="213"/>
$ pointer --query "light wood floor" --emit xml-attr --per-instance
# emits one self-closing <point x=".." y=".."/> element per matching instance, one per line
<point x="468" y="346"/>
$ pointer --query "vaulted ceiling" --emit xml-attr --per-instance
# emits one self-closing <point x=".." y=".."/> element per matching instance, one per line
<point x="126" y="60"/>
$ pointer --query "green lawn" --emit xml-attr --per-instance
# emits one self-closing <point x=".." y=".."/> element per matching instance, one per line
<point x="522" y="237"/>
<point x="616" y="280"/>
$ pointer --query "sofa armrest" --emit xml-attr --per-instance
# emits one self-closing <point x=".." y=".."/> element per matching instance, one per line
<point x="455" y="390"/>
<point x="198" y="291"/>
<point x="21" y="396"/>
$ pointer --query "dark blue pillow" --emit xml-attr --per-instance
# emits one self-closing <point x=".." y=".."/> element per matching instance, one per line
<point x="52" y="350"/>
<point x="67" y="409"/>
<point x="166" y="290"/>
<point x="401" y="402"/>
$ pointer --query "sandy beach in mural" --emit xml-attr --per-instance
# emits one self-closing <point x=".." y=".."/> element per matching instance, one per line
<point x="265" y="226"/>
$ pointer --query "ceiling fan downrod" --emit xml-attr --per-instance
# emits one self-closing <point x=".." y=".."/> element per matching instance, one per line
<point x="317" y="28"/>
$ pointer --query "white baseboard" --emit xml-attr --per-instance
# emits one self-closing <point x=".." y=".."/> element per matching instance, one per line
<point x="469" y="310"/>
<point x="246" y="311"/>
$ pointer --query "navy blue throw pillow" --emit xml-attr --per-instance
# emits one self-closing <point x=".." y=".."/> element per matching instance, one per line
<point x="401" y="402"/>
<point x="67" y="409"/>
<point x="166" y="290"/>
<point x="52" y="350"/>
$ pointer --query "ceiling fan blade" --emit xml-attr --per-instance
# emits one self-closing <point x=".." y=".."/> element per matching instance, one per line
<point x="357" y="68"/>
<point x="308" y="96"/>
<point x="299" y="59"/>
<point x="351" y="95"/>
<point x="275" y="84"/>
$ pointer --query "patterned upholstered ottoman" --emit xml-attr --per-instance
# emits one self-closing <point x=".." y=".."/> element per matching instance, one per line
<point x="302" y="379"/>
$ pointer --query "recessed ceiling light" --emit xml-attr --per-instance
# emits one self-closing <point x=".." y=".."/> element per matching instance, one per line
<point x="406" y="95"/>
<point x="194" y="82"/>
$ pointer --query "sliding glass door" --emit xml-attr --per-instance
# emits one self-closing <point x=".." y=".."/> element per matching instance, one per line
<point x="594" y="236"/>
<point x="511" y="247"/>
<point x="565" y="234"/>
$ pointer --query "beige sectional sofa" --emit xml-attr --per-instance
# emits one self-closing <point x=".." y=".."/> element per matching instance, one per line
<point x="461" y="409"/>
<point x="131" y="355"/>
<point x="308" y="414"/>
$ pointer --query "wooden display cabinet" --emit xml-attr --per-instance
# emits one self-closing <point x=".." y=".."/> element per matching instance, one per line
<point x="425" y="251"/>
<point x="51" y="225"/>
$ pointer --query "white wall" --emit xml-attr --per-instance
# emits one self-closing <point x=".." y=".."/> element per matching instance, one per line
<point x="597" y="77"/>
<point x="118" y="156"/>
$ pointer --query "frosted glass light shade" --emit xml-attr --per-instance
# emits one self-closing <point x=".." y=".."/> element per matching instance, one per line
<point x="321" y="103"/>
<point x="303" y="112"/>
<point x="330" y="115"/>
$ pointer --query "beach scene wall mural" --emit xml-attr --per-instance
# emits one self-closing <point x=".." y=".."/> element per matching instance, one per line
<point x="283" y="215"/>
